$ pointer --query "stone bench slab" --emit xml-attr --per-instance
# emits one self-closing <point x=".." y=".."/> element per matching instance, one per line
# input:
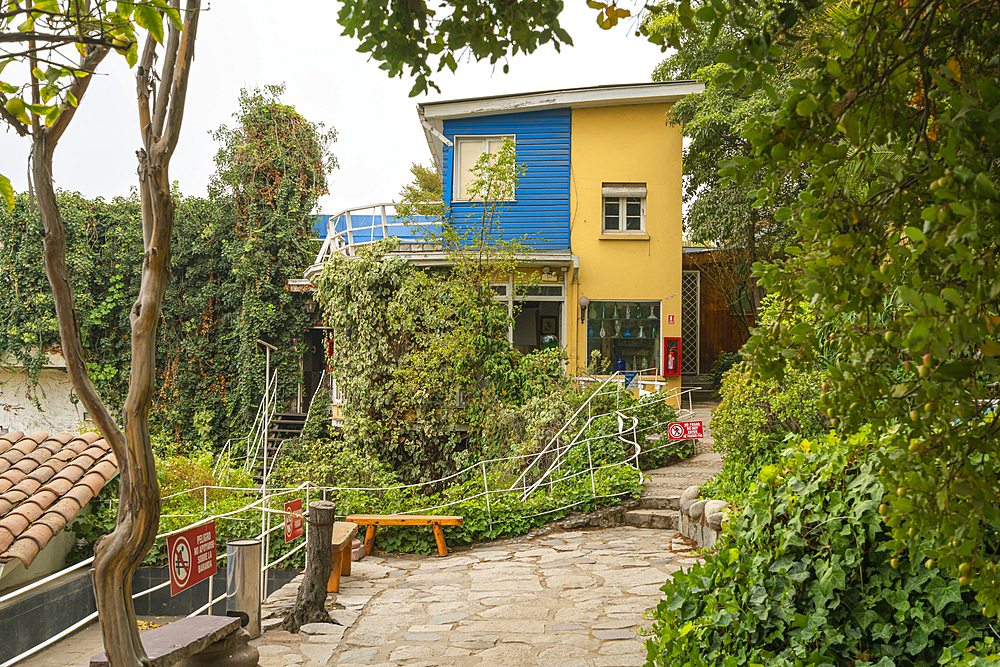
<point x="171" y="643"/>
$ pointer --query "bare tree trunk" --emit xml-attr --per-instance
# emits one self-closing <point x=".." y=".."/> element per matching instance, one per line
<point x="120" y="554"/>
<point x="310" y="603"/>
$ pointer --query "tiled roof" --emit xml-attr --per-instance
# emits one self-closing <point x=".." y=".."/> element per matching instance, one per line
<point x="44" y="481"/>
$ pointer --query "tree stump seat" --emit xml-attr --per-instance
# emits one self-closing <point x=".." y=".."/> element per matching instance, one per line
<point x="195" y="641"/>
<point x="343" y="535"/>
<point x="373" y="521"/>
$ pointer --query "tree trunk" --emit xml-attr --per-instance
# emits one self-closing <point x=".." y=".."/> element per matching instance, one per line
<point x="310" y="603"/>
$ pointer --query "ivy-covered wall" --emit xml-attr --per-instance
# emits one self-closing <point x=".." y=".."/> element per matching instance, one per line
<point x="233" y="253"/>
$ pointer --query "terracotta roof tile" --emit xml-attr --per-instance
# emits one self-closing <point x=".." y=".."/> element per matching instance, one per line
<point x="44" y="481"/>
<point x="58" y="485"/>
<point x="39" y="533"/>
<point x="24" y="550"/>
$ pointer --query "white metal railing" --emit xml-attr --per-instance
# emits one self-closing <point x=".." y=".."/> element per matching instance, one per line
<point x="256" y="439"/>
<point x="365" y="225"/>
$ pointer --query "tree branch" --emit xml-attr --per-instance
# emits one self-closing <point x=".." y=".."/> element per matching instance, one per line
<point x="78" y="89"/>
<point x="178" y="86"/>
<point x="170" y="53"/>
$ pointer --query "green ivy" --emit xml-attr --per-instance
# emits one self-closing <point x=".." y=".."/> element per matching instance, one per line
<point x="805" y="575"/>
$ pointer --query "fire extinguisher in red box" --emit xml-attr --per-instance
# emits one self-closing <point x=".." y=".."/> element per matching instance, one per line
<point x="671" y="356"/>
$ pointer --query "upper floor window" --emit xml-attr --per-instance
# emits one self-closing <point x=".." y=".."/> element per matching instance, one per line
<point x="624" y="208"/>
<point x="468" y="150"/>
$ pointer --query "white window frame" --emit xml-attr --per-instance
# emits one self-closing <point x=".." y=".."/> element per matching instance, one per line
<point x="622" y="192"/>
<point x="457" y="167"/>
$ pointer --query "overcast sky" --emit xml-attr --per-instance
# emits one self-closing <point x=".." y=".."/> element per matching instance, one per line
<point x="246" y="43"/>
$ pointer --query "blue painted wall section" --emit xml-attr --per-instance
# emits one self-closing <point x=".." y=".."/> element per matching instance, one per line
<point x="539" y="217"/>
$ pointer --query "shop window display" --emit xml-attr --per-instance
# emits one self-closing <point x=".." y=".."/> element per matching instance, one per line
<point x="626" y="333"/>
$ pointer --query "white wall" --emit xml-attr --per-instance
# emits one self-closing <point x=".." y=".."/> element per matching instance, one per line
<point x="18" y="411"/>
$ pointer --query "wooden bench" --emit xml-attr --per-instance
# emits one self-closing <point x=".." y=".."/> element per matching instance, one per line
<point x="343" y="535"/>
<point x="373" y="521"/>
<point x="197" y="640"/>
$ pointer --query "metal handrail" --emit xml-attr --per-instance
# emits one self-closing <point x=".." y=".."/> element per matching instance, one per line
<point x="344" y="243"/>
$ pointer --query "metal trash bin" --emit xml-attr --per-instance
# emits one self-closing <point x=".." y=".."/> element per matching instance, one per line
<point x="243" y="595"/>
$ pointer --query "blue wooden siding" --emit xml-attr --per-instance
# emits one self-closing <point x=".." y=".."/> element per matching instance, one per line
<point x="539" y="217"/>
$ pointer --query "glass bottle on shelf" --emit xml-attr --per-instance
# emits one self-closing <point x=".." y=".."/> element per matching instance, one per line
<point x="618" y="327"/>
<point x="628" y="334"/>
<point x="638" y="312"/>
<point x="628" y="312"/>
<point x="652" y="313"/>
<point x="615" y="314"/>
<point x="642" y="331"/>
<point x="603" y="314"/>
<point x="590" y="329"/>
<point x="603" y="334"/>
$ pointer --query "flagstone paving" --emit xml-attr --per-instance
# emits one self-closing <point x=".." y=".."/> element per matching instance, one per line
<point x="565" y="598"/>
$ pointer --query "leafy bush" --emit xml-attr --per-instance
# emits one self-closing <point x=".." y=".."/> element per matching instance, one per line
<point x="806" y="576"/>
<point x="755" y="421"/>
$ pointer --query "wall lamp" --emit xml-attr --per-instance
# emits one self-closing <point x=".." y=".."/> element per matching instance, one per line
<point x="584" y="302"/>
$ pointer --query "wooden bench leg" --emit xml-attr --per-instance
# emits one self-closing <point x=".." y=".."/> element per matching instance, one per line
<point x="439" y="538"/>
<point x="333" y="583"/>
<point x="345" y="559"/>
<point x="370" y="539"/>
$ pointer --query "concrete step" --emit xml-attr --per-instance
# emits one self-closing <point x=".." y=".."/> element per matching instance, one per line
<point x="656" y="499"/>
<point x="653" y="518"/>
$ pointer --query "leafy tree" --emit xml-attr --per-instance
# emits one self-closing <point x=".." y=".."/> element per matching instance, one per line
<point x="425" y="187"/>
<point x="409" y="36"/>
<point x="413" y="348"/>
<point x="272" y="167"/>
<point x="719" y="211"/>
<point x="904" y="271"/>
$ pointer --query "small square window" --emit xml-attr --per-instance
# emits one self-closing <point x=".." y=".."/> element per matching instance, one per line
<point x="624" y="208"/>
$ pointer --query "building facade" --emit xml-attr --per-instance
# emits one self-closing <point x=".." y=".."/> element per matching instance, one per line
<point x="597" y="208"/>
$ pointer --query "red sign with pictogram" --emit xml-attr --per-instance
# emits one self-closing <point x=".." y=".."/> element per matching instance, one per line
<point x="293" y="520"/>
<point x="192" y="556"/>
<point x="685" y="430"/>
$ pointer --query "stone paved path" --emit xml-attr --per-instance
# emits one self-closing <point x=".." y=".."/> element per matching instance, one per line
<point x="567" y="598"/>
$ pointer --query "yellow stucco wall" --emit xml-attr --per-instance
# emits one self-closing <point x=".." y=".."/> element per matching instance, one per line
<point x="625" y="144"/>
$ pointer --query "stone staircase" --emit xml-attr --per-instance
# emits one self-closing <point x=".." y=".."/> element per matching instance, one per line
<point x="659" y="504"/>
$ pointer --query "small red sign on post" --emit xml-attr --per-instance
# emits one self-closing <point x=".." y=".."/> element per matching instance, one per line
<point x="192" y="557"/>
<point x="293" y="520"/>
<point x="685" y="430"/>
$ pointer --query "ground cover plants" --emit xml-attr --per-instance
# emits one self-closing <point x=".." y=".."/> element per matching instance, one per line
<point x="808" y="575"/>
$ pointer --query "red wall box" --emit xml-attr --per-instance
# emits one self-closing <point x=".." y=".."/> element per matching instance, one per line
<point x="671" y="356"/>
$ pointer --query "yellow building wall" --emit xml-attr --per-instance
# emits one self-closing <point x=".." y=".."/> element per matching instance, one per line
<point x="625" y="144"/>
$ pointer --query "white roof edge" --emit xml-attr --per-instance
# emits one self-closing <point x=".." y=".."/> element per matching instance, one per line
<point x="597" y="96"/>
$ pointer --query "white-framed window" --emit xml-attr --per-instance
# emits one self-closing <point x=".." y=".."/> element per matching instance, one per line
<point x="467" y="153"/>
<point x="624" y="208"/>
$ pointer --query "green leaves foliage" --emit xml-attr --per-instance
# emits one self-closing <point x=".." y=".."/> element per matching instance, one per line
<point x="410" y="37"/>
<point x="890" y="123"/>
<point x="806" y="575"/>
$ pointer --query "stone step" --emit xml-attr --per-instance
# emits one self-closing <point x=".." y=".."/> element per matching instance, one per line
<point x="652" y="518"/>
<point x="656" y="499"/>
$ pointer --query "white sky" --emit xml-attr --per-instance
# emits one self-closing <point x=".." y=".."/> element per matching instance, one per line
<point x="246" y="43"/>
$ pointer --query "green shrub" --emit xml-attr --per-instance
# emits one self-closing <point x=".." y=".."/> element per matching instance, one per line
<point x="805" y="576"/>
<point x="755" y="421"/>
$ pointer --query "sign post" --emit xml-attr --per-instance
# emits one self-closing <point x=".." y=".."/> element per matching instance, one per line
<point x="685" y="430"/>
<point x="192" y="557"/>
<point x="293" y="520"/>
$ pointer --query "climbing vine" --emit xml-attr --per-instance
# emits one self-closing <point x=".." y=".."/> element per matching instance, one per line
<point x="234" y="252"/>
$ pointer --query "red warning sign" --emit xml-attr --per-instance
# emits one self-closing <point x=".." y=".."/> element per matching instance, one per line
<point x="192" y="556"/>
<point x="685" y="430"/>
<point x="293" y="520"/>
